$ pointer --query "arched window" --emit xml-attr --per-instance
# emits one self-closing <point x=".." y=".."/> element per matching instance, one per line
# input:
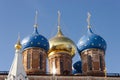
<point x="41" y="59"/>
<point x="28" y="60"/>
<point x="101" y="65"/>
<point x="89" y="62"/>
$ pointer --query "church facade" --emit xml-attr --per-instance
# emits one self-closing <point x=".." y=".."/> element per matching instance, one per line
<point x="34" y="51"/>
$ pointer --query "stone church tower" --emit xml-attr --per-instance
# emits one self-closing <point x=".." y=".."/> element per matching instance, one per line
<point x="92" y="51"/>
<point x="60" y="54"/>
<point x="35" y="49"/>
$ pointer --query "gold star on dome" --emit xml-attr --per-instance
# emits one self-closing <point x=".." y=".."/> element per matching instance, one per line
<point x="92" y="44"/>
<point x="44" y="44"/>
<point x="31" y="42"/>
<point x="95" y="38"/>
<point x="99" y="44"/>
<point x="42" y="38"/>
<point x="38" y="43"/>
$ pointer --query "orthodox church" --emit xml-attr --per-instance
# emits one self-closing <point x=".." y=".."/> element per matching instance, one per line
<point x="32" y="53"/>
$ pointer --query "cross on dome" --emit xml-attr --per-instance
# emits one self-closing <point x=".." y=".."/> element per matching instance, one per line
<point x="59" y="29"/>
<point x="36" y="19"/>
<point x="58" y="18"/>
<point x="88" y="20"/>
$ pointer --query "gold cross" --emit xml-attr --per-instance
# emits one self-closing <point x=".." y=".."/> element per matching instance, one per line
<point x="36" y="19"/>
<point x="88" y="19"/>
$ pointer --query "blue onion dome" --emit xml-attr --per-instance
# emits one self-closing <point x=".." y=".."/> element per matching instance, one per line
<point x="62" y="43"/>
<point x="77" y="67"/>
<point x="35" y="40"/>
<point x="91" y="40"/>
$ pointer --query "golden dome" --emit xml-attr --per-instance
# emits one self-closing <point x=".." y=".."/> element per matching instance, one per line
<point x="62" y="43"/>
<point x="18" y="45"/>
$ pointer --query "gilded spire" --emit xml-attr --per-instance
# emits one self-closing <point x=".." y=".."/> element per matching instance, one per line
<point x="88" y="20"/>
<point x="18" y="44"/>
<point x="59" y="33"/>
<point x="36" y="20"/>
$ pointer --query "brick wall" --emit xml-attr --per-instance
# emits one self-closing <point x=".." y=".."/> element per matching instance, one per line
<point x="34" y="60"/>
<point x="63" y="63"/>
<point x="93" y="62"/>
<point x="32" y="77"/>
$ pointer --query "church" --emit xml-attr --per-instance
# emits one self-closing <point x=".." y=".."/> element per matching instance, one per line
<point x="35" y="53"/>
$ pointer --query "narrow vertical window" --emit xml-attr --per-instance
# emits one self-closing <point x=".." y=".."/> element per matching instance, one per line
<point x="28" y="60"/>
<point x="56" y="62"/>
<point x="61" y="67"/>
<point x="89" y="62"/>
<point x="101" y="65"/>
<point x="69" y="65"/>
<point x="41" y="58"/>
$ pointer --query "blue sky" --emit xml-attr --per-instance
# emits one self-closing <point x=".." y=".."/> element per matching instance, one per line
<point x="17" y="16"/>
